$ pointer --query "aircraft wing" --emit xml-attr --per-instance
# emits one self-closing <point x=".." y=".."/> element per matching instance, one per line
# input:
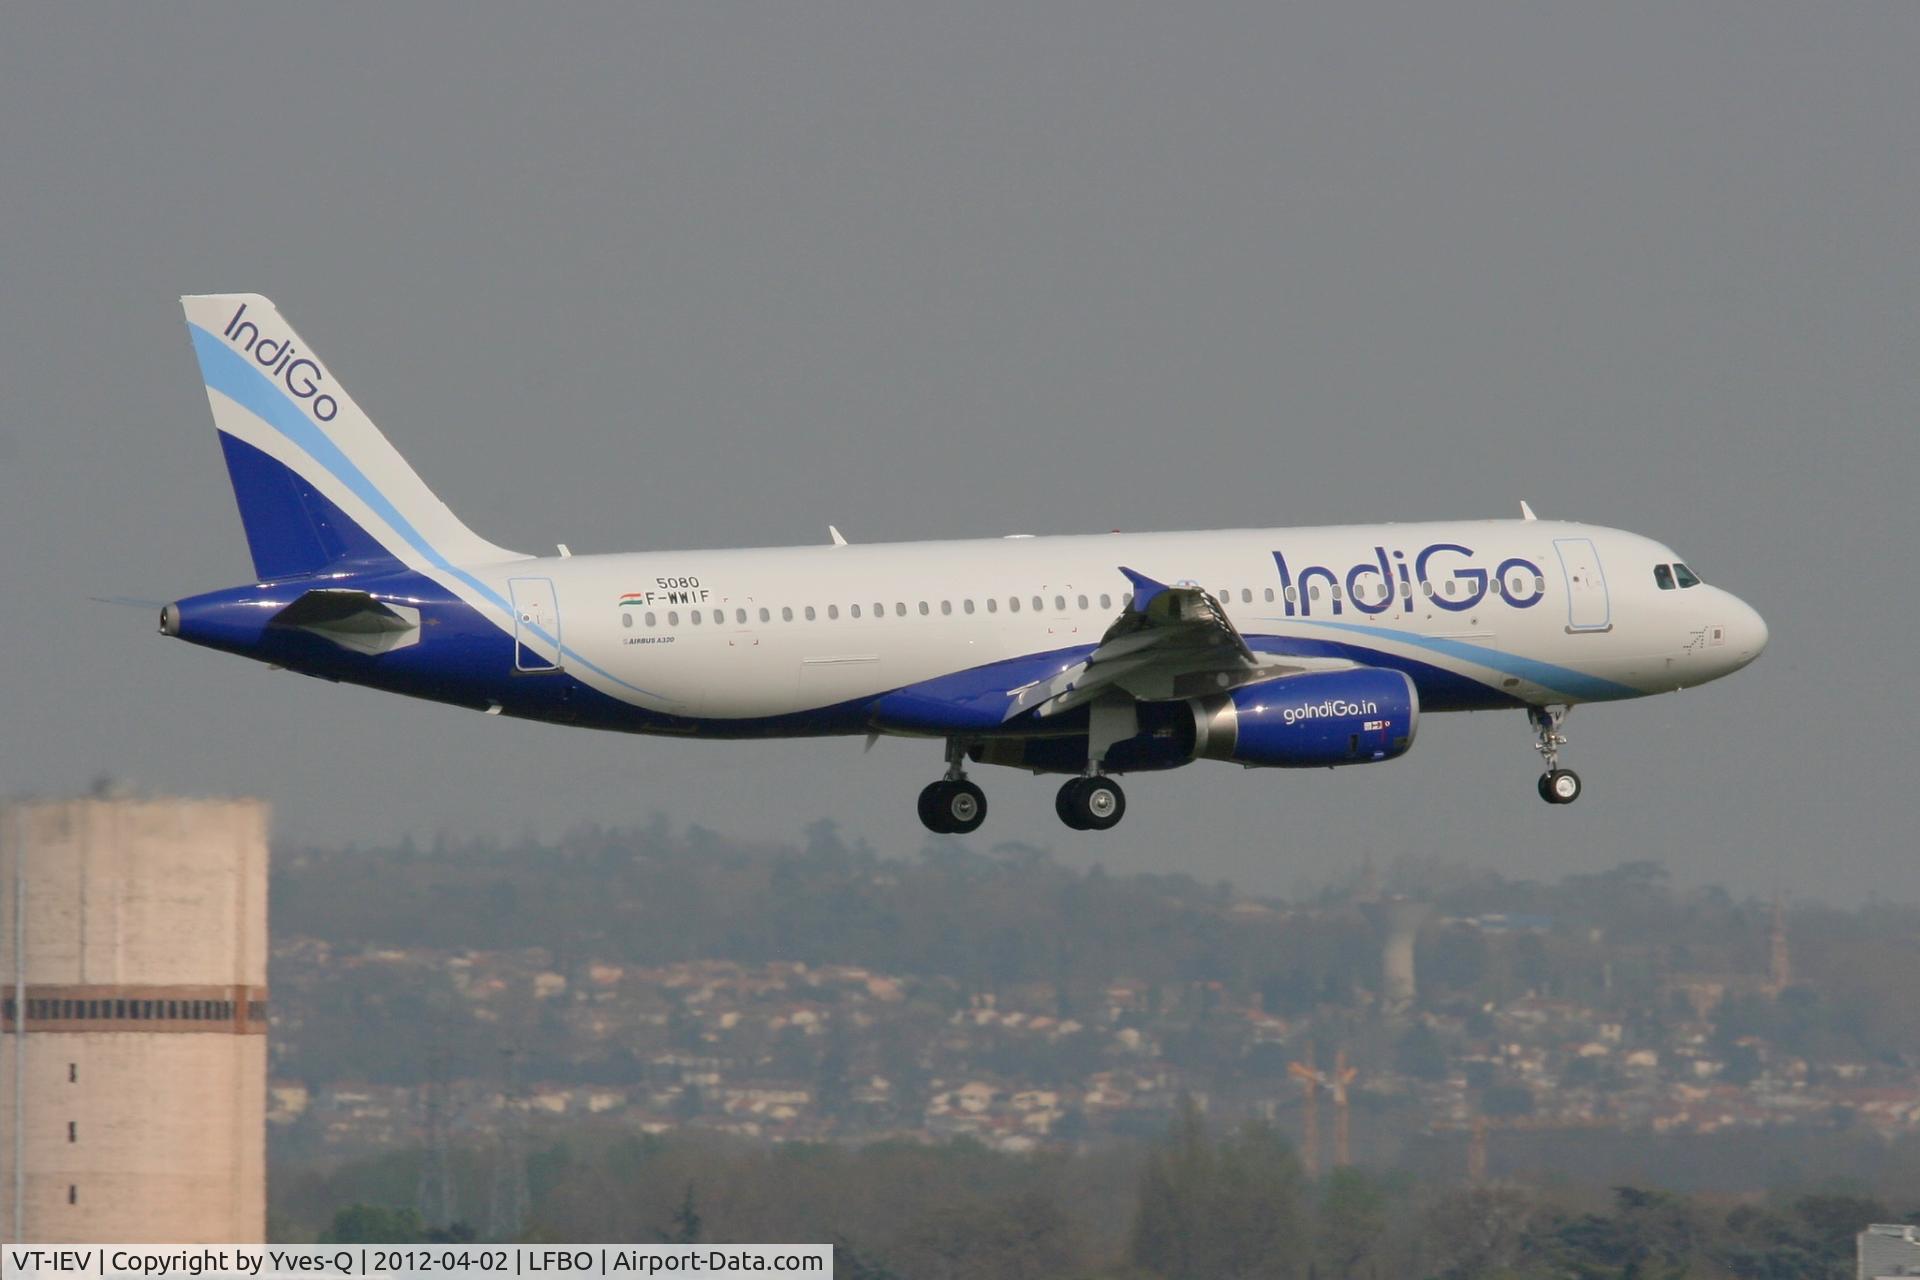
<point x="1171" y="641"/>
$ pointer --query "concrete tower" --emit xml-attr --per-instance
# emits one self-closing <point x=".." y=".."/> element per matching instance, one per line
<point x="1399" y="920"/>
<point x="1779" y="960"/>
<point x="133" y="1107"/>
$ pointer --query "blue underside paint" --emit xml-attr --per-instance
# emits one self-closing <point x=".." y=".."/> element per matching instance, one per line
<point x="974" y="700"/>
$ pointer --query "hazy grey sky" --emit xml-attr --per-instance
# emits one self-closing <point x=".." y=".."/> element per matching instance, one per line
<point x="716" y="275"/>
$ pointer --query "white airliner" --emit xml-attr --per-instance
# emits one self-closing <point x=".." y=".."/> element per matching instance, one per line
<point x="1083" y="656"/>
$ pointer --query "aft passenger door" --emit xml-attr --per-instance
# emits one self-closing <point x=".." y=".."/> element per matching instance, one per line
<point x="1587" y="606"/>
<point x="536" y="625"/>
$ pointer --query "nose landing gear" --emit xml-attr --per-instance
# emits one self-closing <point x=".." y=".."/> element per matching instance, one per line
<point x="1557" y="785"/>
<point x="953" y="806"/>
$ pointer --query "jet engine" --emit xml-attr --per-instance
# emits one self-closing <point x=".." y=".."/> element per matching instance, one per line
<point x="1315" y="720"/>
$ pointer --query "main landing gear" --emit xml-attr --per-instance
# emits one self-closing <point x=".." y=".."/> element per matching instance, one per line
<point x="1557" y="785"/>
<point x="953" y="806"/>
<point x="1091" y="803"/>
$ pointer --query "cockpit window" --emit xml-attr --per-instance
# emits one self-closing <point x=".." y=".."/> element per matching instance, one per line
<point x="1663" y="577"/>
<point x="1685" y="576"/>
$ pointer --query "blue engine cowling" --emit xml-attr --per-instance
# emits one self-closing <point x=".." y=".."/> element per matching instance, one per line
<point x="1306" y="721"/>
<point x="1311" y="721"/>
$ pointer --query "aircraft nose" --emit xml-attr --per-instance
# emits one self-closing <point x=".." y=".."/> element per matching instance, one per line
<point x="1750" y="632"/>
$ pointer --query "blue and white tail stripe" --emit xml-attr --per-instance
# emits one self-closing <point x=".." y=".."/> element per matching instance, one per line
<point x="271" y="394"/>
<point x="253" y="358"/>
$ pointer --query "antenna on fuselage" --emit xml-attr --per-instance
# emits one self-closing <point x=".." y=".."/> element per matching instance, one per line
<point x="839" y="539"/>
<point x="1526" y="512"/>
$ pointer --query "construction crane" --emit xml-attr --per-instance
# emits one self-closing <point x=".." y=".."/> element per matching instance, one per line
<point x="1309" y="1078"/>
<point x="1312" y="1079"/>
<point x="1337" y="1085"/>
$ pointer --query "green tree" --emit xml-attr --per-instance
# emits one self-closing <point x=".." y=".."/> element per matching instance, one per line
<point x="374" y="1224"/>
<point x="1024" y="1236"/>
<point x="1479" y="1232"/>
<point x="1352" y="1224"/>
<point x="1225" y="1210"/>
<point x="687" y="1224"/>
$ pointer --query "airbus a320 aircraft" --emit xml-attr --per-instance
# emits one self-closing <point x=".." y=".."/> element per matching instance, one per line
<point x="1083" y="656"/>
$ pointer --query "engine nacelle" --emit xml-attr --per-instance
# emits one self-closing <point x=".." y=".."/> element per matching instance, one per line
<point x="1310" y="721"/>
<point x="1306" y="721"/>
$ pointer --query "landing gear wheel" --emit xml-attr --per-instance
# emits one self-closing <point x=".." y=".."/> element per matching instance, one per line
<point x="1560" y="786"/>
<point x="930" y="798"/>
<point x="964" y="807"/>
<point x="1557" y="785"/>
<point x="952" y="808"/>
<point x="1091" y="804"/>
<point x="1066" y="803"/>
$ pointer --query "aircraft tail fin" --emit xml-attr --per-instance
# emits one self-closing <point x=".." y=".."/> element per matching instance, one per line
<point x="318" y="485"/>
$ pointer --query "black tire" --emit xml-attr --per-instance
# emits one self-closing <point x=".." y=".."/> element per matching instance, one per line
<point x="933" y="808"/>
<point x="963" y="807"/>
<point x="1541" y="787"/>
<point x="1101" y="803"/>
<point x="1562" y="786"/>
<point x="1067" y="803"/>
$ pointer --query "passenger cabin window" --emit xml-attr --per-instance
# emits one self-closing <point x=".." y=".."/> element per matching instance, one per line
<point x="765" y="616"/>
<point x="810" y="614"/>
<point x="1106" y="601"/>
<point x="786" y="613"/>
<point x="833" y="611"/>
<point x="1684" y="576"/>
<point x="1663" y="577"/>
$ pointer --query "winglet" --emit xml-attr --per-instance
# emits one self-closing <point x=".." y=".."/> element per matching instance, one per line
<point x="1526" y="512"/>
<point x="1145" y="589"/>
<point x="839" y="539"/>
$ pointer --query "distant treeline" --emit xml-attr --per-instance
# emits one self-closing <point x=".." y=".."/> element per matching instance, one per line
<point x="1200" y="1203"/>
